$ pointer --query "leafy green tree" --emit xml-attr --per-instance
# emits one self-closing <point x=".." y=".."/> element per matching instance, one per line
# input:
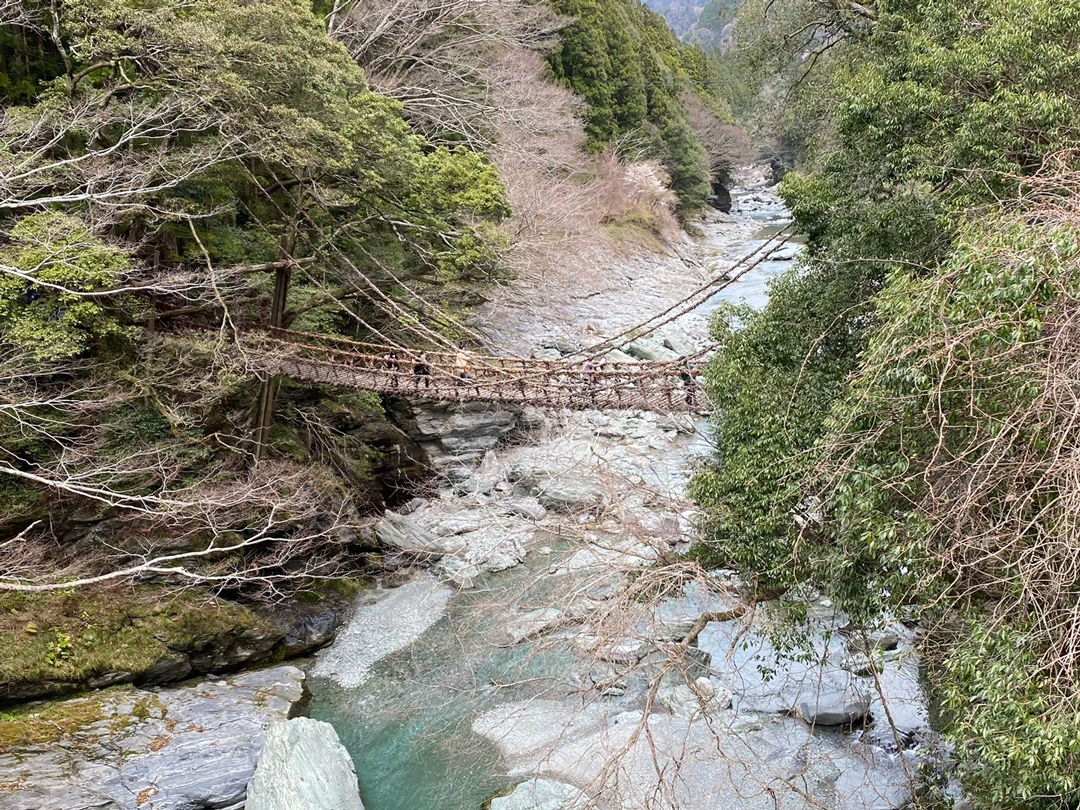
<point x="52" y="258"/>
<point x="625" y="62"/>
<point x="886" y="425"/>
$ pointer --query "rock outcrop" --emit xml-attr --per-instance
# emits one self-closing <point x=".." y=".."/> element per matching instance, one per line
<point x="288" y="632"/>
<point x="303" y="766"/>
<point x="456" y="436"/>
<point x="541" y="794"/>
<point x="190" y="747"/>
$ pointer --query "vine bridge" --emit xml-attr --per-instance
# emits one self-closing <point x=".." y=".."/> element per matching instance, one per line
<point x="587" y="382"/>
<point x="649" y="386"/>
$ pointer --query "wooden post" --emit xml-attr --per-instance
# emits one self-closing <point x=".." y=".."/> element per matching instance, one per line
<point x="269" y="389"/>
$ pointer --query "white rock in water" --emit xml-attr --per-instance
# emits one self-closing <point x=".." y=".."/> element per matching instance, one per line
<point x="303" y="766"/>
<point x="541" y="794"/>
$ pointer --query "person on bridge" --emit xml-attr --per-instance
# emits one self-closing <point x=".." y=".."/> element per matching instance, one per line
<point x="689" y="383"/>
<point x="390" y="360"/>
<point x="422" y="368"/>
<point x="588" y="376"/>
<point x="461" y="369"/>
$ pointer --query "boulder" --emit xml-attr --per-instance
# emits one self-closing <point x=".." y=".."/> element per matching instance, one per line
<point x="541" y="794"/>
<point x="530" y="420"/>
<point x="531" y="623"/>
<point x="835" y="709"/>
<point x="571" y="494"/>
<point x="562" y="346"/>
<point x="527" y="475"/>
<point x="619" y="356"/>
<point x="309" y="632"/>
<point x="688" y="701"/>
<point x="865" y="664"/>
<point x="649" y="349"/>
<point x="720" y="199"/>
<point x="679" y="344"/>
<point x="303" y="766"/>
<point x="476" y="541"/>
<point x="183" y="748"/>
<point x="568" y="492"/>
<point x="401" y="533"/>
<point x="669" y="626"/>
<point x="547" y="353"/>
<point x="784" y="254"/>
<point x="455" y="435"/>
<point x="528" y="508"/>
<point x="871" y="640"/>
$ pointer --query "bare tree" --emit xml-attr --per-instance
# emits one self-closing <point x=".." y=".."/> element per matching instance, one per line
<point x="727" y="145"/>
<point x="442" y="59"/>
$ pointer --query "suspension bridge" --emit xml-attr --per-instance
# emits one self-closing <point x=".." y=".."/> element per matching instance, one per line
<point x="582" y="382"/>
<point x="467" y="377"/>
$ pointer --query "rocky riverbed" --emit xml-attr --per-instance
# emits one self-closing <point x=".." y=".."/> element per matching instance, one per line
<point x="556" y="650"/>
<point x="166" y="748"/>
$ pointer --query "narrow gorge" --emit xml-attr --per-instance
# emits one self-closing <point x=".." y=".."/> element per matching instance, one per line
<point x="539" y="405"/>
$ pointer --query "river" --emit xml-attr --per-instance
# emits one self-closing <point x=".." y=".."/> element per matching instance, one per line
<point x="446" y="696"/>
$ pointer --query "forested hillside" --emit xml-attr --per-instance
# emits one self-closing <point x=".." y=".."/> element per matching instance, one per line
<point x="643" y="88"/>
<point x="709" y="24"/>
<point x="899" y="423"/>
<point x="174" y="176"/>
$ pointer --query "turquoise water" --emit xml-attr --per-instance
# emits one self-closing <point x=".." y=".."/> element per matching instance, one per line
<point x="408" y="728"/>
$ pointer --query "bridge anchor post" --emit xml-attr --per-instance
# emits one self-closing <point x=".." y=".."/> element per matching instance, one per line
<point x="264" y="414"/>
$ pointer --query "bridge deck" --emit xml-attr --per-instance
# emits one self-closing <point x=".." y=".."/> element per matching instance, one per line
<point x="664" y="386"/>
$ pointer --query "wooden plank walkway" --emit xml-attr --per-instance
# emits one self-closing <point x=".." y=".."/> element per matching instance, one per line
<point x="664" y="387"/>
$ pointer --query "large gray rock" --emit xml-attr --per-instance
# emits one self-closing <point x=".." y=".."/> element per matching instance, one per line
<point x="456" y="434"/>
<point x="679" y="344"/>
<point x="835" y="709"/>
<point x="529" y="508"/>
<point x="381" y="626"/>
<point x="568" y="491"/>
<point x="541" y="794"/>
<point x="649" y="349"/>
<point x="572" y="494"/>
<point x="303" y="766"/>
<point x="187" y="748"/>
<point x="405" y="536"/>
<point x="497" y="546"/>
<point x="531" y="623"/>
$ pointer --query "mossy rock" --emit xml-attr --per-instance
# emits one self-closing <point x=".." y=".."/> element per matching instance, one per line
<point x="66" y="640"/>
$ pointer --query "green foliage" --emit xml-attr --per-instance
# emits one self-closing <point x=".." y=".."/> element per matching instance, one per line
<point x="27" y="61"/>
<point x="990" y="683"/>
<point x="55" y="257"/>
<point x="888" y="427"/>
<point x="59" y="650"/>
<point x="626" y="63"/>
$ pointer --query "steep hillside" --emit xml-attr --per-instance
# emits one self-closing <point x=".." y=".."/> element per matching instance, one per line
<point x="640" y="82"/>
<point x="709" y="24"/>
